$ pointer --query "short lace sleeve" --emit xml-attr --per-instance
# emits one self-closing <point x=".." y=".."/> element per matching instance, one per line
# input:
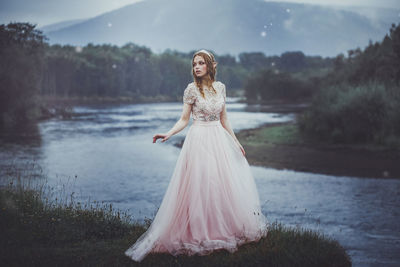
<point x="189" y="95"/>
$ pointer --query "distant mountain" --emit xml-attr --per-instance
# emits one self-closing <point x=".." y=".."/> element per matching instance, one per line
<point x="60" y="25"/>
<point x="231" y="26"/>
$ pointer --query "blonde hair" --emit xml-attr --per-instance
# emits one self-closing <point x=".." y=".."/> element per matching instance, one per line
<point x="211" y="71"/>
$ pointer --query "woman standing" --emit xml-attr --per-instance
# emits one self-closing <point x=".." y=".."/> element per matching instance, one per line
<point x="211" y="201"/>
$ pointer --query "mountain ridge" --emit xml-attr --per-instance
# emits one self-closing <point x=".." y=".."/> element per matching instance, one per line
<point x="230" y="26"/>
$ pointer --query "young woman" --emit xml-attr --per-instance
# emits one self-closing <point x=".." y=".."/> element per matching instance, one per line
<point x="212" y="201"/>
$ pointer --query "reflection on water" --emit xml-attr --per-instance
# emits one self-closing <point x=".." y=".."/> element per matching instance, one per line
<point x="22" y="134"/>
<point x="110" y="151"/>
<point x="18" y="145"/>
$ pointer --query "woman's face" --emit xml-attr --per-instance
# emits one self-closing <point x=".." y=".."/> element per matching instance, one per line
<point x="199" y="66"/>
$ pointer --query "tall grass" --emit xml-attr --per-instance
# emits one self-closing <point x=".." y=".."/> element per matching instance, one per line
<point x="37" y="230"/>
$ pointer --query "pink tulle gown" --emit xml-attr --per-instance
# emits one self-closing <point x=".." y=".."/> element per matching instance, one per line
<point x="212" y="201"/>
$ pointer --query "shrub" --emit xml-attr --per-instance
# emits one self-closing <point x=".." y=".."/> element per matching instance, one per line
<point x="349" y="114"/>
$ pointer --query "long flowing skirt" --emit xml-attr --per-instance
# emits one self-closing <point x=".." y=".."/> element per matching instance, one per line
<point x="211" y="201"/>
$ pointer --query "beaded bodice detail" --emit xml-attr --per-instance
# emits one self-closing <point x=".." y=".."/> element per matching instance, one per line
<point x="208" y="108"/>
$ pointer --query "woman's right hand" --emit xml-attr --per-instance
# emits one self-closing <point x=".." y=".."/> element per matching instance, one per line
<point x="164" y="137"/>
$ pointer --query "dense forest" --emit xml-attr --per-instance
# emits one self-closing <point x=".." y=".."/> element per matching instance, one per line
<point x="32" y="71"/>
<point x="21" y="69"/>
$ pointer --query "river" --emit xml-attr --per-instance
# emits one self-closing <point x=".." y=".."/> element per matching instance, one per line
<point x="105" y="153"/>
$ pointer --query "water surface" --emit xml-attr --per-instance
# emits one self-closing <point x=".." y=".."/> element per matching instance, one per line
<point x="108" y="155"/>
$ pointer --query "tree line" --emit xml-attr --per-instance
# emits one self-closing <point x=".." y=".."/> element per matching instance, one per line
<point x="359" y="100"/>
<point x="21" y="68"/>
<point x="32" y="69"/>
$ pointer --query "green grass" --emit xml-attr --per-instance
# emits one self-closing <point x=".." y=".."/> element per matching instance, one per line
<point x="38" y="231"/>
<point x="290" y="134"/>
<point x="282" y="134"/>
<point x="278" y="134"/>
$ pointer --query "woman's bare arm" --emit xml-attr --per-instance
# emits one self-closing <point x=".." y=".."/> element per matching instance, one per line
<point x="225" y="123"/>
<point x="179" y="125"/>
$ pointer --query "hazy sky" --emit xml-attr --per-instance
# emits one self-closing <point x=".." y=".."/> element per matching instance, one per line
<point x="43" y="12"/>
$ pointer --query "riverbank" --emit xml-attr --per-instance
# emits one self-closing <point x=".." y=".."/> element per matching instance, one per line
<point x="99" y="100"/>
<point x="281" y="146"/>
<point x="38" y="231"/>
<point x="62" y="107"/>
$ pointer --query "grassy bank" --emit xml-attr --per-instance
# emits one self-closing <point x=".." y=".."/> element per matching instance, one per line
<point x="282" y="146"/>
<point x="37" y="231"/>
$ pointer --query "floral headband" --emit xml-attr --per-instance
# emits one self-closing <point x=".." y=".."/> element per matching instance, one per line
<point x="206" y="52"/>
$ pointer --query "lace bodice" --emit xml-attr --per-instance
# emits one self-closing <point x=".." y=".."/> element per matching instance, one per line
<point x="207" y="109"/>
